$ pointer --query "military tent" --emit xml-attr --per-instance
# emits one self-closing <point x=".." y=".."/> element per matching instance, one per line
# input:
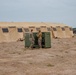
<point x="13" y="31"/>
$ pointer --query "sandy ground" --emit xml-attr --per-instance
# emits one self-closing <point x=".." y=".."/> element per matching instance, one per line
<point x="58" y="60"/>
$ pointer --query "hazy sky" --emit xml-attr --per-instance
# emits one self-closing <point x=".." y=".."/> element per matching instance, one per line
<point x="57" y="11"/>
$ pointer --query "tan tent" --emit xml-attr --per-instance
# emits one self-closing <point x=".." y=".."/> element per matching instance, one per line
<point x="14" y="35"/>
<point x="1" y="35"/>
<point x="54" y="32"/>
<point x="43" y="28"/>
<point x="32" y="27"/>
<point x="12" y="31"/>
<point x="20" y="32"/>
<point x="53" y="29"/>
<point x="4" y="34"/>
<point x="60" y="32"/>
<point x="63" y="32"/>
<point x="68" y="32"/>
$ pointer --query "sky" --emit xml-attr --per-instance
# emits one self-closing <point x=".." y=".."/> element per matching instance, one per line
<point x="55" y="11"/>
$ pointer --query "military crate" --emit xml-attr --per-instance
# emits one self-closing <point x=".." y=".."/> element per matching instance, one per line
<point x="46" y="40"/>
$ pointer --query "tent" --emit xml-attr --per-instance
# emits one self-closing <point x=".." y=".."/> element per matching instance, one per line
<point x="60" y="33"/>
<point x="68" y="32"/>
<point x="20" y="33"/>
<point x="32" y="27"/>
<point x="4" y="34"/>
<point x="12" y="31"/>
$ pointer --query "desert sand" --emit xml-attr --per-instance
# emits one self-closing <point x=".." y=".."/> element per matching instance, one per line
<point x="58" y="60"/>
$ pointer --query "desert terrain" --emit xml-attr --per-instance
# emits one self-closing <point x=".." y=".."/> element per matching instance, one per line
<point x="60" y="59"/>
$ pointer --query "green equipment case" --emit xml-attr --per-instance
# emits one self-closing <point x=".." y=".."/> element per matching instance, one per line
<point x="27" y="41"/>
<point x="46" y="40"/>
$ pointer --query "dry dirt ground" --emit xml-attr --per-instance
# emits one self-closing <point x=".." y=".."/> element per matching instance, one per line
<point x="58" y="60"/>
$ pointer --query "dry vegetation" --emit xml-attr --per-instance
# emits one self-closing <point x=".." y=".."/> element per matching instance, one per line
<point x="58" y="60"/>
